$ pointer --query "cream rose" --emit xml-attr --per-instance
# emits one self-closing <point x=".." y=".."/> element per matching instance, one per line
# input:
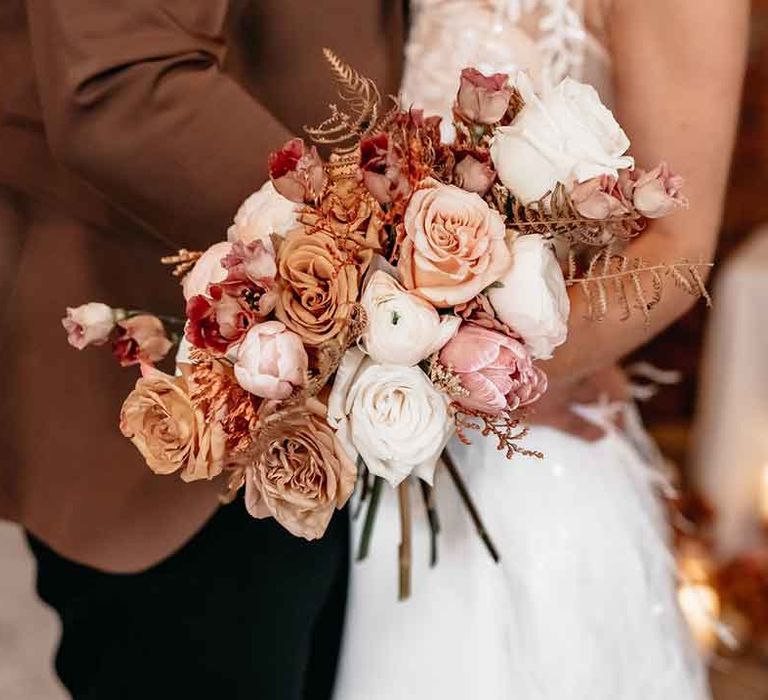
<point x="207" y="270"/>
<point x="403" y="329"/>
<point x="565" y="135"/>
<point x="455" y="245"/>
<point x="531" y="298"/>
<point x="264" y="213"/>
<point x="392" y="416"/>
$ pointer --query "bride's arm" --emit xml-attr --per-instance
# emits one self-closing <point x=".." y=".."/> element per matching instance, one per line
<point x="678" y="74"/>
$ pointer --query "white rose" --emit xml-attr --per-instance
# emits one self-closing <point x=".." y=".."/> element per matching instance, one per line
<point x="207" y="270"/>
<point x="403" y="329"/>
<point x="566" y="135"/>
<point x="90" y="324"/>
<point x="531" y="298"/>
<point x="264" y="213"/>
<point x="391" y="416"/>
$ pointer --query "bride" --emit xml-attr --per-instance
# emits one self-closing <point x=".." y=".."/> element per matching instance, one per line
<point x="582" y="605"/>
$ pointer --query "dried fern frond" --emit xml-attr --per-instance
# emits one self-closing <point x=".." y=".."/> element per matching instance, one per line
<point x="556" y="216"/>
<point x="444" y="379"/>
<point x="359" y="115"/>
<point x="183" y="261"/>
<point x="632" y="283"/>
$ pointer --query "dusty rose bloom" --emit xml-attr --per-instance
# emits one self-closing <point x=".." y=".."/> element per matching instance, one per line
<point x="600" y="198"/>
<point x="474" y="173"/>
<point x="271" y="361"/>
<point x="297" y="172"/>
<point x="657" y="193"/>
<point x="171" y="434"/>
<point x="140" y="339"/>
<point x="455" y="245"/>
<point x="483" y="99"/>
<point x="383" y="169"/>
<point x="497" y="370"/>
<point x="302" y="475"/>
<point x="89" y="324"/>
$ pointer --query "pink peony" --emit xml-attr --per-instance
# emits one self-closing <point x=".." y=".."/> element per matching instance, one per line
<point x="140" y="339"/>
<point x="497" y="370"/>
<point x="271" y="361"/>
<point x="483" y="99"/>
<point x="297" y="172"/>
<point x="657" y="193"/>
<point x="89" y="324"/>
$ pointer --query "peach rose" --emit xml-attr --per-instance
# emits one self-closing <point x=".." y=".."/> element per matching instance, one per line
<point x="455" y="245"/>
<point x="302" y="476"/>
<point x="657" y="193"/>
<point x="139" y="339"/>
<point x="483" y="98"/>
<point x="319" y="283"/>
<point x="171" y="434"/>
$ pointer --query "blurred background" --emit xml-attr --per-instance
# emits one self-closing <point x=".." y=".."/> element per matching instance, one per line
<point x="712" y="426"/>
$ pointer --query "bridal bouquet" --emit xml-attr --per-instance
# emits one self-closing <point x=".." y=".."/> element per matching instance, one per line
<point x="366" y="308"/>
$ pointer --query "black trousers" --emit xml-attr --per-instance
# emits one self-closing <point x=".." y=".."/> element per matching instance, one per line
<point x="243" y="610"/>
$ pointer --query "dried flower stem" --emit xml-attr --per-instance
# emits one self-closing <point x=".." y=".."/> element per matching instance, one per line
<point x="470" y="506"/>
<point x="405" y="553"/>
<point x="370" y="518"/>
<point x="428" y="495"/>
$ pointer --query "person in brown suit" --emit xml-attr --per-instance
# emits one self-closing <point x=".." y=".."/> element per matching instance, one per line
<point x="129" y="129"/>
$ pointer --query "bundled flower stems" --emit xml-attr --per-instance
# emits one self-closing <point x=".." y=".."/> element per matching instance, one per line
<point x="365" y="309"/>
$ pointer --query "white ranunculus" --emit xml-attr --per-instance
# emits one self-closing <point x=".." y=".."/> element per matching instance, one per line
<point x="565" y="135"/>
<point x="264" y="213"/>
<point x="403" y="329"/>
<point x="531" y="298"/>
<point x="391" y="416"/>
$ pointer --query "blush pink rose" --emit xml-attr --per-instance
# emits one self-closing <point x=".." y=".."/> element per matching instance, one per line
<point x="140" y="340"/>
<point x="474" y="173"/>
<point x="455" y="245"/>
<point x="207" y="270"/>
<point x="89" y="324"/>
<point x="297" y="172"/>
<point x="600" y="198"/>
<point x="657" y="193"/>
<point x="497" y="370"/>
<point x="483" y="99"/>
<point x="271" y="361"/>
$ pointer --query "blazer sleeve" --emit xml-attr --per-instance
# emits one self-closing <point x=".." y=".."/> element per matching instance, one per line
<point x="135" y="101"/>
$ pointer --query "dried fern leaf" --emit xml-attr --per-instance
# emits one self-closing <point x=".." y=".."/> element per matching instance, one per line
<point x="357" y="118"/>
<point x="632" y="284"/>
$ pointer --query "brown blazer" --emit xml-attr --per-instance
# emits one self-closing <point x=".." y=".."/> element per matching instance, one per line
<point x="130" y="128"/>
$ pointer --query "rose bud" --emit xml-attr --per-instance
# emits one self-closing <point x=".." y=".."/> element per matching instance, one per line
<point x="271" y="361"/>
<point x="382" y="167"/>
<point x="483" y="99"/>
<point x="297" y="172"/>
<point x="474" y="175"/>
<point x="89" y="324"/>
<point x="497" y="370"/>
<point x="599" y="198"/>
<point x="658" y="193"/>
<point x="140" y="339"/>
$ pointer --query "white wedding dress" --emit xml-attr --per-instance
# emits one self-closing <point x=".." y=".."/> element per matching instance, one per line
<point x="582" y="605"/>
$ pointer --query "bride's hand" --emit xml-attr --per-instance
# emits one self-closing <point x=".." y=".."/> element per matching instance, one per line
<point x="554" y="409"/>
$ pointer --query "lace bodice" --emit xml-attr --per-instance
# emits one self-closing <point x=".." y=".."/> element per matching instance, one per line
<point x="548" y="38"/>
